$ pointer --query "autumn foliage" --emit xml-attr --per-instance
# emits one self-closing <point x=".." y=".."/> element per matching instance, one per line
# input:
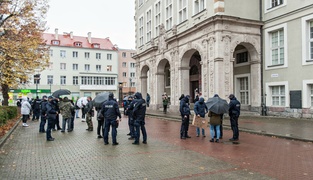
<point x="22" y="47"/>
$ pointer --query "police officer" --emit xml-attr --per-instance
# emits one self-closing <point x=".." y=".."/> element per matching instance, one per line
<point x="110" y="112"/>
<point x="185" y="114"/>
<point x="36" y="108"/>
<point x="52" y="113"/>
<point x="139" y="113"/>
<point x="234" y="113"/>
<point x="43" y="117"/>
<point x="129" y="112"/>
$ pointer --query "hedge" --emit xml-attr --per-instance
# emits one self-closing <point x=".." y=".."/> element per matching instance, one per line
<point x="6" y="113"/>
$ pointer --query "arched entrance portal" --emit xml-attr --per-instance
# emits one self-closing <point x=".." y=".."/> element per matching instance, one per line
<point x="144" y="78"/>
<point x="163" y="77"/>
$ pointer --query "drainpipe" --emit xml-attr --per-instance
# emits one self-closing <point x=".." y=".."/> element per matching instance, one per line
<point x="263" y="103"/>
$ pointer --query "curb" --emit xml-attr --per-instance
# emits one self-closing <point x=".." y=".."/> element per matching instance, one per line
<point x="8" y="134"/>
<point x="240" y="129"/>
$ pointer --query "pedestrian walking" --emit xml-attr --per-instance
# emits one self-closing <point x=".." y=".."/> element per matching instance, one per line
<point x="36" y="108"/>
<point x="200" y="110"/>
<point x="43" y="116"/>
<point x="52" y="113"/>
<point x="165" y="103"/>
<point x="76" y="110"/>
<point x="66" y="109"/>
<point x="73" y="115"/>
<point x="110" y="112"/>
<point x="25" y="111"/>
<point x="185" y="115"/>
<point x="100" y="119"/>
<point x="83" y="111"/>
<point x="89" y="114"/>
<point x="139" y="113"/>
<point x="215" y="122"/>
<point x="234" y="113"/>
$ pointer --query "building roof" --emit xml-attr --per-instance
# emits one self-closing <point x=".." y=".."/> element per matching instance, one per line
<point x="68" y="41"/>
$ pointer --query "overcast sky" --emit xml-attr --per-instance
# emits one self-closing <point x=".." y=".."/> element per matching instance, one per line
<point x="103" y="18"/>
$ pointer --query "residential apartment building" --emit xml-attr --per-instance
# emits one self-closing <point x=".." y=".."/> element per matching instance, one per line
<point x="84" y="65"/>
<point x="288" y="57"/>
<point x="127" y="71"/>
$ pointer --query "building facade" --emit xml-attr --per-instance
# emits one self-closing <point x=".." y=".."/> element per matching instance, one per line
<point x="214" y="46"/>
<point x="127" y="71"/>
<point x="84" y="65"/>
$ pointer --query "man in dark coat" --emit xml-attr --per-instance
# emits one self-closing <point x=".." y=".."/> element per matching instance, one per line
<point x="129" y="113"/>
<point x="234" y="113"/>
<point x="52" y="113"/>
<point x="43" y="117"/>
<point x="110" y="112"/>
<point x="88" y="111"/>
<point x="139" y="113"/>
<point x="36" y="108"/>
<point x="185" y="114"/>
<point x="200" y="110"/>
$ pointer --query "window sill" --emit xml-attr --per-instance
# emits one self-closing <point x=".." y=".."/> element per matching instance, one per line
<point x="276" y="65"/>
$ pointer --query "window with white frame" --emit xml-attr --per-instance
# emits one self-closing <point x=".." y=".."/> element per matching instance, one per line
<point x="75" y="80"/>
<point x="157" y="18"/>
<point x="62" y="53"/>
<point x="244" y="90"/>
<point x="242" y="57"/>
<point x="182" y="10"/>
<point x="132" y="74"/>
<point x="307" y="39"/>
<point x="109" y="68"/>
<point x="148" y="25"/>
<point x="311" y="39"/>
<point x="87" y="67"/>
<point x="63" y="66"/>
<point x="140" y="25"/>
<point x="133" y="84"/>
<point x="75" y="67"/>
<point x="169" y="14"/>
<point x="50" y="79"/>
<point x="278" y="95"/>
<point x="98" y="55"/>
<point x="132" y="65"/>
<point x="109" y="56"/>
<point x="75" y="54"/>
<point x="124" y="54"/>
<point x="198" y="6"/>
<point x="87" y="55"/>
<point x="63" y="80"/>
<point x="83" y="80"/>
<point x="109" y="80"/>
<point x="51" y="52"/>
<point x="89" y="80"/>
<point x="275" y="3"/>
<point x="98" y="67"/>
<point x="140" y="3"/>
<point x="124" y="74"/>
<point x="277" y="47"/>
<point x="124" y="64"/>
<point x="311" y="94"/>
<point x="271" y="5"/>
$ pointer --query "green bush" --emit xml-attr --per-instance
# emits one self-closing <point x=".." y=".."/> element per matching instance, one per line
<point x="3" y="116"/>
<point x="6" y="113"/>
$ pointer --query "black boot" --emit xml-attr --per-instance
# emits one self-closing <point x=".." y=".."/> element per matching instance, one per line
<point x="186" y="135"/>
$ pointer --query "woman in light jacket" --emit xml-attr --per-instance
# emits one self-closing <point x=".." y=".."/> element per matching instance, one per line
<point x="25" y="110"/>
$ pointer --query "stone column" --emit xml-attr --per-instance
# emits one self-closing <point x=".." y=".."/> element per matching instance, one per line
<point x="159" y="87"/>
<point x="255" y="95"/>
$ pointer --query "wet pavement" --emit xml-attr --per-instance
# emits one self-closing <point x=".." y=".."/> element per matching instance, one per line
<point x="81" y="155"/>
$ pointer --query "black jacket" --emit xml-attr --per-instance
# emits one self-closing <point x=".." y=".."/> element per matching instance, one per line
<point x="51" y="110"/>
<point x="184" y="106"/>
<point x="139" y="111"/>
<point x="200" y="108"/>
<point x="234" y="107"/>
<point x="44" y="107"/>
<point x="89" y="107"/>
<point x="111" y="110"/>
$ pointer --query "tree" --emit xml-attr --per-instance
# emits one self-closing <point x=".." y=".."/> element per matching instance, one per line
<point x="22" y="47"/>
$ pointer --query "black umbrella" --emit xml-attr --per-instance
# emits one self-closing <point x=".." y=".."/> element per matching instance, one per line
<point x="217" y="105"/>
<point x="100" y="99"/>
<point x="61" y="92"/>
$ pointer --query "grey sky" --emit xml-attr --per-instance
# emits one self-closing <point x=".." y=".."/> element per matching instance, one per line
<point x="103" y="18"/>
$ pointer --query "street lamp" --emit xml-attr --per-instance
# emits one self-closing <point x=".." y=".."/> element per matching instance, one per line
<point x="130" y="86"/>
<point x="37" y="81"/>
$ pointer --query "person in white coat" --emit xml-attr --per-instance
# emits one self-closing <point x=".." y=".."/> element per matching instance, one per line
<point x="25" y="110"/>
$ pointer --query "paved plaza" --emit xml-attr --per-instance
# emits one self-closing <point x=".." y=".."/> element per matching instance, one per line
<point x="81" y="155"/>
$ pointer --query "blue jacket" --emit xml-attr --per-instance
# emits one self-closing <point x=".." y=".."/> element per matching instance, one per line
<point x="234" y="107"/>
<point x="110" y="109"/>
<point x="184" y="106"/>
<point x="139" y="111"/>
<point x="200" y="108"/>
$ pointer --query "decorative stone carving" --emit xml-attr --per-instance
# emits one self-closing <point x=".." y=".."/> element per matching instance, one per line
<point x="174" y="29"/>
<point x="162" y="38"/>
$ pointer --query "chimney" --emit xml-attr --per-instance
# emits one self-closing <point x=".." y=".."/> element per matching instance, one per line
<point x="56" y="34"/>
<point x="71" y="34"/>
<point x="89" y="37"/>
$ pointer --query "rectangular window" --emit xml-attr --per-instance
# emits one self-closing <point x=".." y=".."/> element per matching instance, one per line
<point x="75" y="67"/>
<point x="87" y="67"/>
<point x="87" y="55"/>
<point x="51" y="52"/>
<point x="311" y="92"/>
<point x="277" y="47"/>
<point x="198" y="6"/>
<point x="63" y="66"/>
<point x="109" y="56"/>
<point x="124" y="74"/>
<point x="311" y="40"/>
<point x="98" y="55"/>
<point x="109" y="68"/>
<point x="75" y="54"/>
<point x="89" y="80"/>
<point x="109" y="80"/>
<point x="124" y="64"/>
<point x="132" y="65"/>
<point x="63" y="80"/>
<point x="140" y="25"/>
<point x="132" y="74"/>
<point x="50" y="79"/>
<point x="83" y="80"/>
<point x="148" y="25"/>
<point x="278" y="95"/>
<point x="75" y="80"/>
<point x="169" y="14"/>
<point x="157" y="18"/>
<point x="275" y="3"/>
<point x="124" y="54"/>
<point x="140" y="3"/>
<point x="242" y="57"/>
<point x="182" y="10"/>
<point x="133" y="84"/>
<point x="62" y="53"/>
<point x="98" y="80"/>
<point x="98" y="67"/>
<point x="244" y="90"/>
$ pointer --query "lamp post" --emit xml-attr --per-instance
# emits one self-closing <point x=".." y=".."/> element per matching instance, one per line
<point x="50" y="83"/>
<point x="120" y="87"/>
<point x="36" y="81"/>
<point x="130" y="86"/>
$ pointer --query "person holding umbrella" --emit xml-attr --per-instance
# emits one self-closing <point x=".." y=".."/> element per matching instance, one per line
<point x="234" y="113"/>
